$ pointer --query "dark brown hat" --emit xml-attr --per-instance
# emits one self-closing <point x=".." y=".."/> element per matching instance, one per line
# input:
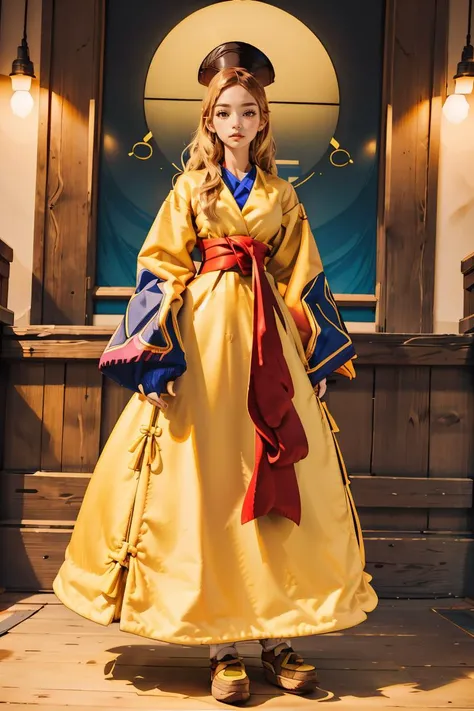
<point x="237" y="54"/>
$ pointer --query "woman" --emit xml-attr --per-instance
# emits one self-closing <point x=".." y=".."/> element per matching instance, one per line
<point x="233" y="518"/>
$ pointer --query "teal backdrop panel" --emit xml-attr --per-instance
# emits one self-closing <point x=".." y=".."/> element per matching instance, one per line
<point x="325" y="107"/>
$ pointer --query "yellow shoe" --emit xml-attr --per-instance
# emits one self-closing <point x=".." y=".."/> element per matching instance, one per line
<point x="287" y="670"/>
<point x="229" y="681"/>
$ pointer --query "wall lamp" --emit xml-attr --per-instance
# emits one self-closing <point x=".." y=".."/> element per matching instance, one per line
<point x="22" y="73"/>
<point x="456" y="106"/>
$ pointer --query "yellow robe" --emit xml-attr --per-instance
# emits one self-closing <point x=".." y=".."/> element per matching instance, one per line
<point x="158" y="542"/>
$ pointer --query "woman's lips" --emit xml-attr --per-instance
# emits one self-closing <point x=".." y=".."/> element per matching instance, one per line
<point x="236" y="135"/>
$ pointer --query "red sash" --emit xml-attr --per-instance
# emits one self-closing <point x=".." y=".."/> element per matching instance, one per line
<point x="280" y="437"/>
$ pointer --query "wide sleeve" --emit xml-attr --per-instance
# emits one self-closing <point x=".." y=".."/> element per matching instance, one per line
<point x="147" y="348"/>
<point x="298" y="272"/>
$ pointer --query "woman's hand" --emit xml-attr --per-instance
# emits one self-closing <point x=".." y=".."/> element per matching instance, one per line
<point x="321" y="387"/>
<point x="157" y="400"/>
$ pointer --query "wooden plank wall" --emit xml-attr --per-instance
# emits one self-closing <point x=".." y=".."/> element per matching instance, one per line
<point x="6" y="258"/>
<point x="6" y="319"/>
<point x="466" y="325"/>
<point x="406" y="433"/>
<point x="69" y="129"/>
<point x="416" y="77"/>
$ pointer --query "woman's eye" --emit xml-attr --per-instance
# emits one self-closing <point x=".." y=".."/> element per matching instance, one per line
<point x="223" y="114"/>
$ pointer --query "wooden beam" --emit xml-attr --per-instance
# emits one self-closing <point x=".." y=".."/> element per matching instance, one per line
<point x="59" y="331"/>
<point x="86" y="349"/>
<point x="411" y="492"/>
<point x="385" y="163"/>
<point x="57" y="496"/>
<point x="88" y="342"/>
<point x="33" y="558"/>
<point x="125" y="292"/>
<point x="469" y="280"/>
<point x="113" y="292"/>
<point x="42" y="162"/>
<point x="466" y="325"/>
<point x="467" y="264"/>
<point x="6" y="257"/>
<point x="412" y="349"/>
<point x="419" y="68"/>
<point x="418" y="566"/>
<point x="439" y="51"/>
<point x="4" y="373"/>
<point x="95" y="136"/>
<point x="67" y="159"/>
<point x="405" y="566"/>
<point x="6" y="252"/>
<point x="4" y="268"/>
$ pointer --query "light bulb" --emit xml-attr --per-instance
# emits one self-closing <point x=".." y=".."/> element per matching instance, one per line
<point x="21" y="82"/>
<point x="464" y="85"/>
<point x="22" y="103"/>
<point x="456" y="108"/>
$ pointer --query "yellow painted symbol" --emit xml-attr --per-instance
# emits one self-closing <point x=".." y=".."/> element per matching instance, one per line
<point x="297" y="185"/>
<point x="344" y="158"/>
<point x="147" y="145"/>
<point x="344" y="155"/>
<point x="180" y="170"/>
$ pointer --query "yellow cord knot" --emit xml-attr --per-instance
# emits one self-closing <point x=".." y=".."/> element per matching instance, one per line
<point x="121" y="555"/>
<point x="154" y="431"/>
<point x="110" y="581"/>
<point x="146" y="450"/>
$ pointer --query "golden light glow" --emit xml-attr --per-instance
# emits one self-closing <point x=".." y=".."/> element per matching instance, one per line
<point x="464" y="85"/>
<point x="111" y="145"/>
<point x="21" y="82"/>
<point x="456" y="108"/>
<point x="370" y="147"/>
<point x="22" y="103"/>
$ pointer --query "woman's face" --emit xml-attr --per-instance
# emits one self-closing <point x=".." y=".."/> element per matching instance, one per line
<point x="236" y="118"/>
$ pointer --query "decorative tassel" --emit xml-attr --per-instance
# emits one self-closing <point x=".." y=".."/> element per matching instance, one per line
<point x="146" y="451"/>
<point x="146" y="457"/>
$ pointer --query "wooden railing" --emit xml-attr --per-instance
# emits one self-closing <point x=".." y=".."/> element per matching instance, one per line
<point x="406" y="433"/>
<point x="466" y="325"/>
<point x="6" y="257"/>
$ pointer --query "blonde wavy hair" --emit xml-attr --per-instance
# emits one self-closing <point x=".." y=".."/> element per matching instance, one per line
<point x="206" y="150"/>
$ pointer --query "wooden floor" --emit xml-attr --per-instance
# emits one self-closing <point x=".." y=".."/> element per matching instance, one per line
<point x="405" y="656"/>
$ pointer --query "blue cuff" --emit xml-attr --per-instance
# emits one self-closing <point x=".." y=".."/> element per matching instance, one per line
<point x="141" y="352"/>
<point x="155" y="379"/>
<point x="333" y="345"/>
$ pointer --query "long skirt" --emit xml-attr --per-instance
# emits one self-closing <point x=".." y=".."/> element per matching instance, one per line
<point x="159" y="544"/>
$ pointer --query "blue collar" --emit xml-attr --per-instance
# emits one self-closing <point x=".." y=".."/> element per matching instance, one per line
<point x="240" y="189"/>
